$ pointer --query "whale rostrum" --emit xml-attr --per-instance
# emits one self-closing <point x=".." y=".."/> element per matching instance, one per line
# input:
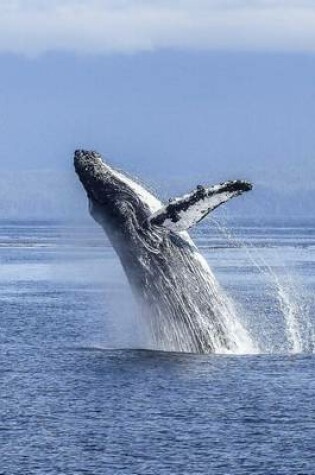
<point x="176" y="291"/>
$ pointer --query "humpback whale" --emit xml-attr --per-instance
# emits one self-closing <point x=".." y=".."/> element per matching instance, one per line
<point x="176" y="291"/>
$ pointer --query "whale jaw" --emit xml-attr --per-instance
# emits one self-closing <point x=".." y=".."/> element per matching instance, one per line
<point x="94" y="175"/>
<point x="116" y="201"/>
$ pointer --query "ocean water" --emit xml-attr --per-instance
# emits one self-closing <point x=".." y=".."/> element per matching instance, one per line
<point x="80" y="394"/>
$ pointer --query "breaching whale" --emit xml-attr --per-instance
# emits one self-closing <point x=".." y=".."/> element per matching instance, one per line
<point x="173" y="284"/>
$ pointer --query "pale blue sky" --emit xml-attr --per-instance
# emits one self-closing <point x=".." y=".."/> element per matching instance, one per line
<point x="164" y="112"/>
<point x="180" y="90"/>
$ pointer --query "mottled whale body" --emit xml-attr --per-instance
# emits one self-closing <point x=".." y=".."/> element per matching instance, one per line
<point x="172" y="282"/>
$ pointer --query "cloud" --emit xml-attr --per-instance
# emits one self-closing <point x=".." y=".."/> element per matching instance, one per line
<point x="33" y="27"/>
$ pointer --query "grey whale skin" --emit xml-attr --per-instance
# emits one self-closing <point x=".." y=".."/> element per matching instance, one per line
<point x="171" y="281"/>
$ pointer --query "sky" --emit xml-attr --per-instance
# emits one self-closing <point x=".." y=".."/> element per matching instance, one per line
<point x="175" y="92"/>
<point x="98" y="26"/>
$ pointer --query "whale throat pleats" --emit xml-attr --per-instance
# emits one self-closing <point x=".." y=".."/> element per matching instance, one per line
<point x="182" y="213"/>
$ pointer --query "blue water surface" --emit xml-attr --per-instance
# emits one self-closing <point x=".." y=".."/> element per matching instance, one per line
<point x="80" y="394"/>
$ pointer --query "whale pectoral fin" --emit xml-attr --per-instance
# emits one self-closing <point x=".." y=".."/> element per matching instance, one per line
<point x="182" y="213"/>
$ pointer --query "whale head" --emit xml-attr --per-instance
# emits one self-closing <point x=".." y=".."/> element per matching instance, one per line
<point x="114" y="198"/>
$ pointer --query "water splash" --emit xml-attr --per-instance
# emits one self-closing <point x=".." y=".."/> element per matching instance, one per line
<point x="292" y="302"/>
<point x="194" y="314"/>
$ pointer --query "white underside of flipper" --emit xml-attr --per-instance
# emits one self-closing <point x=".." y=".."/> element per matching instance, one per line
<point x="182" y="213"/>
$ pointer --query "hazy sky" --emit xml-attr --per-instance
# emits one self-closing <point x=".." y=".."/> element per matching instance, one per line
<point x="198" y="89"/>
<point x="34" y="26"/>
